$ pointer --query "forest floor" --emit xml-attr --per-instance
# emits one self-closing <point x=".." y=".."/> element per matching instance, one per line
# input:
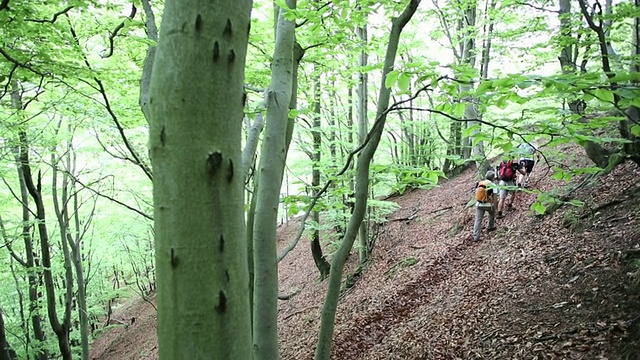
<point x="562" y="286"/>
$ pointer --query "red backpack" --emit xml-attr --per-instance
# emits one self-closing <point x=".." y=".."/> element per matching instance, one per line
<point x="506" y="172"/>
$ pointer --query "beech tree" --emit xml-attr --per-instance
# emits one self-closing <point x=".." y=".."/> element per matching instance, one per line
<point x="275" y="145"/>
<point x="196" y="102"/>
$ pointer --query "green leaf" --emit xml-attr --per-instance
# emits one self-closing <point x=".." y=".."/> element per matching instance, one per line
<point x="525" y="84"/>
<point x="391" y="79"/>
<point x="635" y="129"/>
<point x="433" y="177"/>
<point x="404" y="81"/>
<point x="628" y="93"/>
<point x="623" y="77"/>
<point x="504" y="83"/>
<point x="558" y="174"/>
<point x="538" y="207"/>
<point x="458" y="109"/>
<point x="604" y="95"/>
<point x="484" y="86"/>
<point x="293" y="113"/>
<point x="502" y="101"/>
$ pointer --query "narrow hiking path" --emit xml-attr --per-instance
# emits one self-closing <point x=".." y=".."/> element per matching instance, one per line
<point x="559" y="287"/>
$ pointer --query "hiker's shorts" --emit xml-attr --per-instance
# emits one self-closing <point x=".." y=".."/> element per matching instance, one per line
<point x="503" y="191"/>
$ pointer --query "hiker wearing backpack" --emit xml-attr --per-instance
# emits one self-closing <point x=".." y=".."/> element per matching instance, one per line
<point x="526" y="151"/>
<point x="507" y="174"/>
<point x="485" y="202"/>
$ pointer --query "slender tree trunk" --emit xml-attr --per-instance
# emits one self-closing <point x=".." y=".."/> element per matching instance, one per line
<point x="270" y="174"/>
<point x="34" y="276"/>
<point x="61" y="329"/>
<point x="71" y="245"/>
<point x="316" y="248"/>
<point x="323" y="349"/>
<point x="6" y="352"/>
<point x="196" y="110"/>
<point x="478" y="151"/>
<point x="363" y="126"/>
<point x="467" y="34"/>
<point x="567" y="63"/>
<point x="26" y="332"/>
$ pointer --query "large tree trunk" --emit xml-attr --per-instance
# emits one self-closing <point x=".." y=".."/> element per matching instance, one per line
<point x="323" y="349"/>
<point x="196" y="112"/>
<point x="270" y="174"/>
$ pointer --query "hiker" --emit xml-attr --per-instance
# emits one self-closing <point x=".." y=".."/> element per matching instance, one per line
<point x="507" y="174"/>
<point x="526" y="151"/>
<point x="485" y="202"/>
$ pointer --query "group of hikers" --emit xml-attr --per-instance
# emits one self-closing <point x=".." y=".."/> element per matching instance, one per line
<point x="509" y="174"/>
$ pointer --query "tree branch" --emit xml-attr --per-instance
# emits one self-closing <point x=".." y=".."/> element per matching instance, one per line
<point x="19" y="64"/>
<point x="539" y="8"/>
<point x="98" y="193"/>
<point x="55" y="16"/>
<point x="107" y="104"/>
<point x="117" y="29"/>
<point x="8" y="244"/>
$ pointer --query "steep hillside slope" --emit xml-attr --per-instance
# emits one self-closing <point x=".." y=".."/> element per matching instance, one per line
<point x="558" y="287"/>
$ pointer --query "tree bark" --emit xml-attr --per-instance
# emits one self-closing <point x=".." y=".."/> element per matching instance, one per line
<point x="61" y="329"/>
<point x="145" y="79"/>
<point x="270" y="174"/>
<point x="316" y="249"/>
<point x="363" y="126"/>
<point x="70" y="243"/>
<point x="323" y="349"/>
<point x="34" y="277"/>
<point x="196" y="109"/>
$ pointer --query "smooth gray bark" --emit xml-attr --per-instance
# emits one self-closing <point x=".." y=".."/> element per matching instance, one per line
<point x="270" y="173"/>
<point x="145" y="79"/>
<point x="196" y="109"/>
<point x="363" y="125"/>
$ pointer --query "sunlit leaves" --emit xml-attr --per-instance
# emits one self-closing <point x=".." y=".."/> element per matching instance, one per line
<point x="538" y="208"/>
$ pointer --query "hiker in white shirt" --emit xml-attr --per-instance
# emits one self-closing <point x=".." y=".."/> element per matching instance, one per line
<point x="526" y="151"/>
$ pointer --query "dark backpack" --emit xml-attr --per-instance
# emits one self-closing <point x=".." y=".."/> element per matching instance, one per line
<point x="505" y="171"/>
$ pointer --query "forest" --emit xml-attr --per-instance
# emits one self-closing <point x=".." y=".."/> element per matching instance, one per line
<point x="151" y="149"/>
